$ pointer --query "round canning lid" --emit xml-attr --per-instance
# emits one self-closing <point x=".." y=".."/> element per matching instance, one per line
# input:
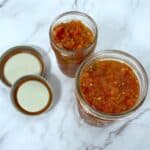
<point x="24" y="81"/>
<point x="15" y="51"/>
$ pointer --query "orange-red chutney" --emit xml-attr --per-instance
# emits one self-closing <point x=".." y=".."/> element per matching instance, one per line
<point x="72" y="35"/>
<point x="109" y="86"/>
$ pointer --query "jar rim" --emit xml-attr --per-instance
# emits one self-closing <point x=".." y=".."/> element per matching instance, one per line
<point x="67" y="14"/>
<point x="103" y="115"/>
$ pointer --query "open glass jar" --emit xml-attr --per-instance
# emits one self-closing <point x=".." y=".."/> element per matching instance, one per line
<point x="99" y="118"/>
<point x="69" y="60"/>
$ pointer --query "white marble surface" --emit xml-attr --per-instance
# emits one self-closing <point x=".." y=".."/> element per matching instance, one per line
<point x="123" y="24"/>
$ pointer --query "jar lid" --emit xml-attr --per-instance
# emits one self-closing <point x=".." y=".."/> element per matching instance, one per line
<point x="20" y="61"/>
<point x="32" y="95"/>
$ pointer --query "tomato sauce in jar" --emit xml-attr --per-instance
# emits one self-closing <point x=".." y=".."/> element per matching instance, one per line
<point x="109" y="86"/>
<point x="73" y="37"/>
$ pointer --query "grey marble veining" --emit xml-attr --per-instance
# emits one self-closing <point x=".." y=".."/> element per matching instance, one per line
<point x="122" y="24"/>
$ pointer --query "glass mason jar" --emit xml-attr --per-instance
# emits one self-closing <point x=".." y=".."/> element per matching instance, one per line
<point x="98" y="118"/>
<point x="69" y="61"/>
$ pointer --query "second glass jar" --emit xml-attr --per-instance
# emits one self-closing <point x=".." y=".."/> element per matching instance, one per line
<point x="69" y="60"/>
<point x="87" y="111"/>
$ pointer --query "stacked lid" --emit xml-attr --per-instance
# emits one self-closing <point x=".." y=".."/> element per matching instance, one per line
<point x="23" y="69"/>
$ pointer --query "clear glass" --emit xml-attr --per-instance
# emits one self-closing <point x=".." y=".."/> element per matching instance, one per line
<point x="69" y="61"/>
<point x="96" y="118"/>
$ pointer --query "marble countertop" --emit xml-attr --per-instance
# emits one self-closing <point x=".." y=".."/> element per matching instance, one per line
<point x="122" y="24"/>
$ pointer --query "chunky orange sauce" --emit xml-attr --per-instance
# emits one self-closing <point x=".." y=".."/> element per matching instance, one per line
<point x="109" y="86"/>
<point x="77" y="39"/>
<point x="73" y="35"/>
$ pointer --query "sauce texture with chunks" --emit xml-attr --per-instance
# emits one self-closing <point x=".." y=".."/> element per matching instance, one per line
<point x="109" y="86"/>
<point x="73" y="35"/>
